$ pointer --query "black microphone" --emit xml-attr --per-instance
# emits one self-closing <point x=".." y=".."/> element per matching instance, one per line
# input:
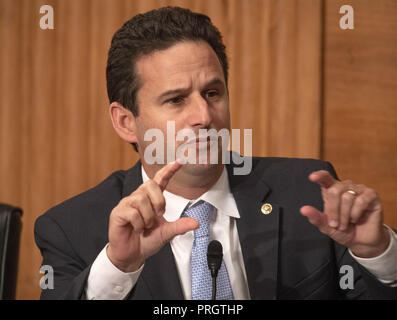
<point x="214" y="258"/>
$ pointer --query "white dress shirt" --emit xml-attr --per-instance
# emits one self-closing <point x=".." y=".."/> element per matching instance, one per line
<point x="105" y="281"/>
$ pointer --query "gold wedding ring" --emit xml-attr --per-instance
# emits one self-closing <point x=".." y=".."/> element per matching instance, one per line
<point x="354" y="193"/>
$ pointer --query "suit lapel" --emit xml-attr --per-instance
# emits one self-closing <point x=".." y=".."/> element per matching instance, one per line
<point x="258" y="233"/>
<point x="159" y="274"/>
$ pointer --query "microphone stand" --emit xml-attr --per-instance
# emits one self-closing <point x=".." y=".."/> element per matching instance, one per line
<point x="213" y="288"/>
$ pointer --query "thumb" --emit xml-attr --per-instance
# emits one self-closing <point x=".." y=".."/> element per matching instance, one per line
<point x="179" y="227"/>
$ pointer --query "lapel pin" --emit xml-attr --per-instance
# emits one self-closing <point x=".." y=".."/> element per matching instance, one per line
<point x="266" y="208"/>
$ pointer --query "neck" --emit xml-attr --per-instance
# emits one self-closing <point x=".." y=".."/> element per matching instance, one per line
<point x="190" y="182"/>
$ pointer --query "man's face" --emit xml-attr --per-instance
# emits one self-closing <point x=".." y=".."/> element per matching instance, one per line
<point x="184" y="84"/>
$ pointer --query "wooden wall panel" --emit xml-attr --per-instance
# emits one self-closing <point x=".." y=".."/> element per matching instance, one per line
<point x="360" y="101"/>
<point x="56" y="138"/>
<point x="275" y="52"/>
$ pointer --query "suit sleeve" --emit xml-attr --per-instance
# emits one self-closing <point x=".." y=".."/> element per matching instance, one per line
<point x="70" y="272"/>
<point x="365" y="284"/>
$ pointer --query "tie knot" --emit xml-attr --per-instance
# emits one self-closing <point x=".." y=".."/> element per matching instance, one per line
<point x="202" y="212"/>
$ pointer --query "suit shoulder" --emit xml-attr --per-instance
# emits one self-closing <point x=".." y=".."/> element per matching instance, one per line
<point x="92" y="202"/>
<point x="291" y="165"/>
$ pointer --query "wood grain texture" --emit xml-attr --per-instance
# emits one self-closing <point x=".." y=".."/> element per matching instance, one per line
<point x="360" y="101"/>
<point x="275" y="88"/>
<point x="56" y="139"/>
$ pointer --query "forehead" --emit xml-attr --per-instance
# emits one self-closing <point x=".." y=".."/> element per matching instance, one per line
<point x="184" y="63"/>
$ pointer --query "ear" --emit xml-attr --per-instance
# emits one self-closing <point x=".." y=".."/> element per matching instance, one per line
<point x="123" y="122"/>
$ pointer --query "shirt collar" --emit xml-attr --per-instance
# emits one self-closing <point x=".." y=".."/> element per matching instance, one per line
<point x="219" y="195"/>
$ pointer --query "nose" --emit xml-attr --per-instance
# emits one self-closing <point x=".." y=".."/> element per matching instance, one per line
<point x="199" y="113"/>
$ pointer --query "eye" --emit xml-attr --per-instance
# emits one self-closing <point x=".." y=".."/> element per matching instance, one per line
<point x="176" y="101"/>
<point x="212" y="93"/>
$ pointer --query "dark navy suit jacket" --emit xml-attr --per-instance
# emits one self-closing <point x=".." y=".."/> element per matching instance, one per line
<point x="284" y="255"/>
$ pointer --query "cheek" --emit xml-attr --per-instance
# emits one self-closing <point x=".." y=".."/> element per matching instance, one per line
<point x="140" y="129"/>
<point x="222" y="117"/>
<point x="143" y="125"/>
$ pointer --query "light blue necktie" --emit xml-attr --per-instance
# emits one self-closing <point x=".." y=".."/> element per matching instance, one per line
<point x="201" y="275"/>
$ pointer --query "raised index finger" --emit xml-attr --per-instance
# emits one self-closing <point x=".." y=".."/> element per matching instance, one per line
<point x="163" y="176"/>
<point x="323" y="178"/>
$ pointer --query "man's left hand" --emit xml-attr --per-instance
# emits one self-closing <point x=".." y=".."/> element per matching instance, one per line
<point x="352" y="215"/>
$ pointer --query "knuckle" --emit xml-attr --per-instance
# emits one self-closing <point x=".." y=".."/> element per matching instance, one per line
<point x="148" y="185"/>
<point x="119" y="208"/>
<point x="354" y="216"/>
<point x="158" y="205"/>
<point x="154" y="187"/>
<point x="372" y="193"/>
<point x="148" y="216"/>
<point x="138" y="228"/>
<point x="334" y="191"/>
<point x="149" y="221"/>
<point x="143" y="188"/>
<point x="133" y="215"/>
<point x="347" y="196"/>
<point x="113" y="214"/>
<point x="151" y="183"/>
<point x="139" y="197"/>
<point x="360" y="201"/>
<point x="130" y="201"/>
<point x="162" y="184"/>
<point x="136" y="222"/>
<point x="123" y="202"/>
<point x="148" y="213"/>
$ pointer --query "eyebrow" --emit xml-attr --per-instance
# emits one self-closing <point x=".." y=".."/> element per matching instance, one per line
<point x="215" y="81"/>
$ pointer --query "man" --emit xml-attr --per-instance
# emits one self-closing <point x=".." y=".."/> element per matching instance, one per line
<point x="287" y="228"/>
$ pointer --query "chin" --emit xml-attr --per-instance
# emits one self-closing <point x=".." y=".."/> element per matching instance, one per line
<point x="200" y="169"/>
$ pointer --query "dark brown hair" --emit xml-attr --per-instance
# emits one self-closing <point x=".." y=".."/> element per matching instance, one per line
<point x="145" y="33"/>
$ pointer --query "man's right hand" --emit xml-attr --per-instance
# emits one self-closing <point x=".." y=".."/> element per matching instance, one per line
<point x="137" y="228"/>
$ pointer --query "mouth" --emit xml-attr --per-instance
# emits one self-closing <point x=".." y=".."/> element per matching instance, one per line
<point x="200" y="150"/>
<point x="202" y="140"/>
